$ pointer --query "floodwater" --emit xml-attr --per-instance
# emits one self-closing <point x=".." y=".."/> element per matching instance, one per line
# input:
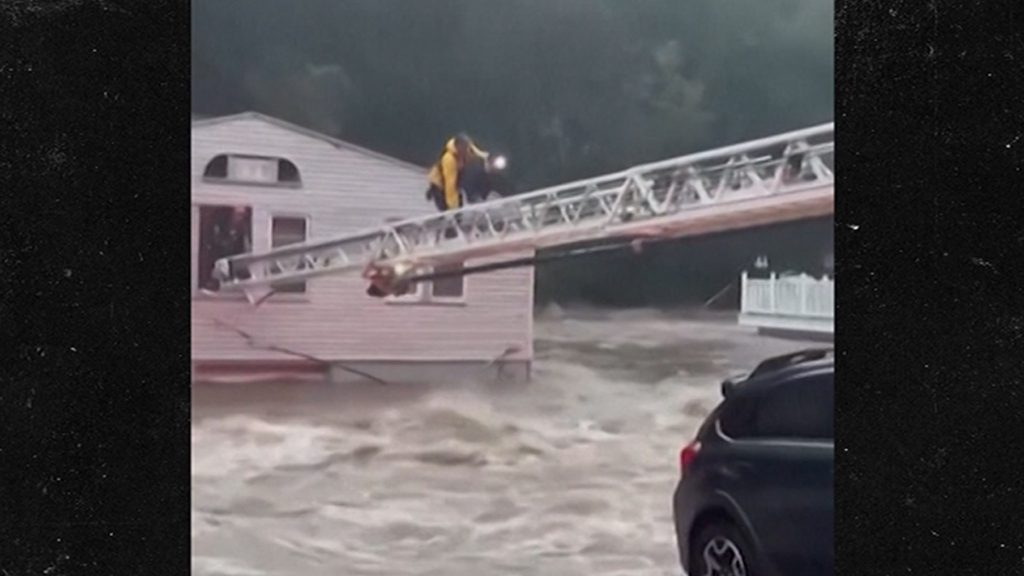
<point x="570" y="474"/>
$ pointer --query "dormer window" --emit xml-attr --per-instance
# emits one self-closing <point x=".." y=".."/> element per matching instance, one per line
<point x="245" y="169"/>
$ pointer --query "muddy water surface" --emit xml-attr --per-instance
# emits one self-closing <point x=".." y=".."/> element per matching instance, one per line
<point x="571" y="474"/>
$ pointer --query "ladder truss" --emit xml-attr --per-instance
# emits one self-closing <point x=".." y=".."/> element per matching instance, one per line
<point x="784" y="177"/>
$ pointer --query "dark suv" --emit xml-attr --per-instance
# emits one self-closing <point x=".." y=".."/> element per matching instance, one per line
<point x="755" y="493"/>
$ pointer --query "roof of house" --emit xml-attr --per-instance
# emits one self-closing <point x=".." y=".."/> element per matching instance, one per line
<point x="209" y="121"/>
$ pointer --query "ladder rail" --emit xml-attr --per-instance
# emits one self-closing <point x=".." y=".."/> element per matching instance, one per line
<point x="824" y="129"/>
<point x="553" y="198"/>
<point x="565" y="232"/>
<point x="434" y="254"/>
<point x="590" y="206"/>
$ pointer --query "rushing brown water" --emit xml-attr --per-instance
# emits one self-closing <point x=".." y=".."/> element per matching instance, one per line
<point x="571" y="474"/>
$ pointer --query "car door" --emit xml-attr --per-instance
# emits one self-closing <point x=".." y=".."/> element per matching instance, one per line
<point x="780" y="474"/>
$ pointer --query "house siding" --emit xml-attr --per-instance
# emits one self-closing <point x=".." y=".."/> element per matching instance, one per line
<point x="343" y="190"/>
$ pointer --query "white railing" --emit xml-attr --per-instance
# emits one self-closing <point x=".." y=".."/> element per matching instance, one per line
<point x="800" y="296"/>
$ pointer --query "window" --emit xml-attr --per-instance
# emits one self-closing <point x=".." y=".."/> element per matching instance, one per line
<point x="245" y="169"/>
<point x="285" y="231"/>
<point x="223" y="231"/>
<point x="797" y="410"/>
<point x="217" y="168"/>
<point x="451" y="287"/>
<point x="450" y="290"/>
<point x="737" y="418"/>
<point x="417" y="293"/>
<point x="287" y="172"/>
<point x="446" y="290"/>
<point x="802" y="409"/>
<point x="252" y="169"/>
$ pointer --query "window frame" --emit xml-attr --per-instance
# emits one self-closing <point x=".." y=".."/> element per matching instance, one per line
<point x="289" y="297"/>
<point x="424" y="296"/>
<point x="451" y="299"/>
<point x="237" y="161"/>
<point x="418" y="296"/>
<point x="197" y="292"/>
<point x="228" y="180"/>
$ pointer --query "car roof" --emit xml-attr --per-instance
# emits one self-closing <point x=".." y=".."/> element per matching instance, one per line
<point x="780" y="369"/>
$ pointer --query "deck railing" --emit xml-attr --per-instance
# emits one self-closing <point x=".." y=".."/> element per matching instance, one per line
<point x="799" y="296"/>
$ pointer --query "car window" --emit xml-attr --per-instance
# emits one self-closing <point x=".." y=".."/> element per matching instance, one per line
<point x="737" y="417"/>
<point x="801" y="409"/>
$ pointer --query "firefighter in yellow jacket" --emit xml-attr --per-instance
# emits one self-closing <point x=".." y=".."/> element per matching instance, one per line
<point x="458" y="154"/>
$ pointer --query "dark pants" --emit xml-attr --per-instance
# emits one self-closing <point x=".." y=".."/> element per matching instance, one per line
<point x="436" y="195"/>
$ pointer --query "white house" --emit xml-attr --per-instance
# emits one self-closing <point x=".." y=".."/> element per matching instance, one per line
<point x="285" y="184"/>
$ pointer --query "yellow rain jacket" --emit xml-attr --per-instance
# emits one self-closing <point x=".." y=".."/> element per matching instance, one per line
<point x="445" y="173"/>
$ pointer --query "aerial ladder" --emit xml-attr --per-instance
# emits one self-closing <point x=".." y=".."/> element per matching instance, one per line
<point x="776" y="179"/>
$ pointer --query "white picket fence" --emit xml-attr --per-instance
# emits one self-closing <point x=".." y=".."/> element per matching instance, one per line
<point x="802" y="303"/>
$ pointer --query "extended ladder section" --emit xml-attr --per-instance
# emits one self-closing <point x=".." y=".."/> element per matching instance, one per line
<point x="775" y="179"/>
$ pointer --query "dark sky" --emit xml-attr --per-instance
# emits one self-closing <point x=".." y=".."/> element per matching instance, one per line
<point x="568" y="87"/>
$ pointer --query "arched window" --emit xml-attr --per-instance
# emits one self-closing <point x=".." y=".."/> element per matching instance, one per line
<point x="288" y="172"/>
<point x="217" y="168"/>
<point x="252" y="170"/>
